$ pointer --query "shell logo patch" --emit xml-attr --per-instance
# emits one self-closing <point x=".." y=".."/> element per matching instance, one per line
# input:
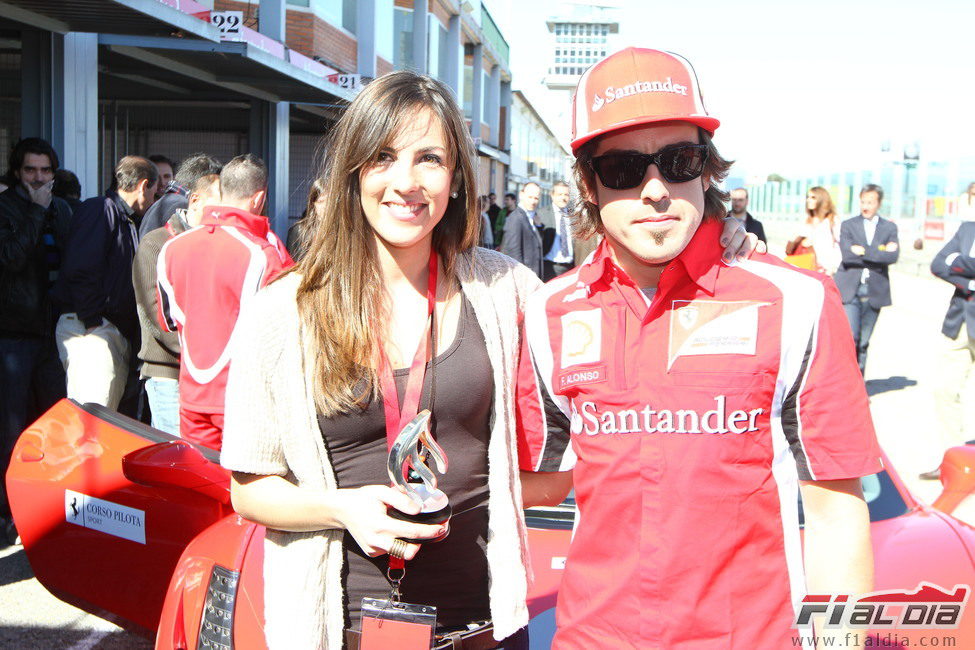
<point x="581" y="337"/>
<point x="700" y="327"/>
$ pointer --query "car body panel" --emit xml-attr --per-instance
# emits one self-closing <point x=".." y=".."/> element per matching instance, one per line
<point x="236" y="545"/>
<point x="78" y="450"/>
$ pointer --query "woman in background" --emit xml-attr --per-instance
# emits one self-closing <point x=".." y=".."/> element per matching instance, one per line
<point x="819" y="234"/>
<point x="487" y="236"/>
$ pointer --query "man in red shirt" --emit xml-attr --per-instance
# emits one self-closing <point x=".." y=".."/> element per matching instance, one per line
<point x="693" y="400"/>
<point x="204" y="275"/>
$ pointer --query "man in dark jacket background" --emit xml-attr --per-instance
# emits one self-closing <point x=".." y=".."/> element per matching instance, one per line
<point x="739" y="210"/>
<point x="98" y="330"/>
<point x="160" y="349"/>
<point x="33" y="226"/>
<point x="522" y="238"/>
<point x="954" y="395"/>
<point x="173" y="196"/>
<point x="493" y="209"/>
<point x="868" y="246"/>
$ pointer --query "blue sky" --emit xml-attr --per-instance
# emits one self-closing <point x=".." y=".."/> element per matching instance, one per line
<point x="800" y="87"/>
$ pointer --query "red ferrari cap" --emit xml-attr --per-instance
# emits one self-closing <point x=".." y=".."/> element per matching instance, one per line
<point x="636" y="86"/>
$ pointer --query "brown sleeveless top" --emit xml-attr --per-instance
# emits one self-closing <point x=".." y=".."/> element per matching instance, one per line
<point x="452" y="574"/>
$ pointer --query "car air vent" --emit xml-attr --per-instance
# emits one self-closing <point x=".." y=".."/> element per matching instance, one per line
<point x="217" y="625"/>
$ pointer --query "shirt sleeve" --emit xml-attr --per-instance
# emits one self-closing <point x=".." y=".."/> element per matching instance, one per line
<point x="145" y="282"/>
<point x="542" y="420"/>
<point x="165" y="296"/>
<point x="84" y="263"/>
<point x="825" y="411"/>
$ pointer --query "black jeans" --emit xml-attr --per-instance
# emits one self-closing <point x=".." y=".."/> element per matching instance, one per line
<point x="863" y="318"/>
<point x="31" y="381"/>
<point x="517" y="641"/>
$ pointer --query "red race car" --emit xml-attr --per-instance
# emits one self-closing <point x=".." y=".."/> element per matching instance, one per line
<point x="122" y="519"/>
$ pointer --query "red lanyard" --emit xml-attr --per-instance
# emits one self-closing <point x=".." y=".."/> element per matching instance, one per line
<point x="396" y="418"/>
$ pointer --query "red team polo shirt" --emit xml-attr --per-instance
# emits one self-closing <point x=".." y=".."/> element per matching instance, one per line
<point x="689" y="422"/>
<point x="204" y="275"/>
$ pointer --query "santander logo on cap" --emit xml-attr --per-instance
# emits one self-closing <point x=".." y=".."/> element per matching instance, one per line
<point x="612" y="94"/>
<point x="636" y="86"/>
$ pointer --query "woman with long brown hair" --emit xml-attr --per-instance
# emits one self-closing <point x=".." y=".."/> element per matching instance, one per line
<point x="820" y="232"/>
<point x="306" y="427"/>
<point x="391" y="277"/>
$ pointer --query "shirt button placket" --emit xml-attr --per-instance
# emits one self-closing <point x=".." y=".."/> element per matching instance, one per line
<point x="652" y="463"/>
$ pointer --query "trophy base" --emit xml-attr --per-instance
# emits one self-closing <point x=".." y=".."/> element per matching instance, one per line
<point x="436" y="511"/>
<point x="435" y="518"/>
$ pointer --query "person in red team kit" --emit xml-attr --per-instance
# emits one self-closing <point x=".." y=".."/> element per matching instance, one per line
<point x="204" y="275"/>
<point x="693" y="400"/>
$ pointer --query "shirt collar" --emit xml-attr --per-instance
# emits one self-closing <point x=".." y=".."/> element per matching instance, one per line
<point x="700" y="261"/>
<point x="176" y="188"/>
<point x="120" y="202"/>
<point x="223" y="215"/>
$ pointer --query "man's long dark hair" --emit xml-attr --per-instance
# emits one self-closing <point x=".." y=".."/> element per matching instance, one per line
<point x="37" y="146"/>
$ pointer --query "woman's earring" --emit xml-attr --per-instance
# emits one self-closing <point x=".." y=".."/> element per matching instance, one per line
<point x="454" y="195"/>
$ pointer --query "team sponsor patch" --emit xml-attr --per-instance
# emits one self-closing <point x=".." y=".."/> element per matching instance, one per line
<point x="582" y="376"/>
<point x="699" y="327"/>
<point x="105" y="516"/>
<point x="590" y="419"/>
<point x="581" y="337"/>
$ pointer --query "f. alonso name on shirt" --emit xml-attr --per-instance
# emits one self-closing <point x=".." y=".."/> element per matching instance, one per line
<point x="591" y="420"/>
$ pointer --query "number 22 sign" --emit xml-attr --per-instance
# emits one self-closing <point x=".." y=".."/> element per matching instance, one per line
<point x="229" y="24"/>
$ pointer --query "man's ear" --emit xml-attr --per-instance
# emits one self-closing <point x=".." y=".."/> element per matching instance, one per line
<point x="258" y="201"/>
<point x="143" y="186"/>
<point x="588" y="195"/>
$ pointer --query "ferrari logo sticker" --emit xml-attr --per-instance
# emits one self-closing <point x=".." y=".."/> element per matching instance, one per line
<point x="687" y="316"/>
<point x="105" y="516"/>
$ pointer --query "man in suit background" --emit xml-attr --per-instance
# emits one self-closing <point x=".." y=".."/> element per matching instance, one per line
<point x="522" y="238"/>
<point x="739" y="210"/>
<point x="954" y="397"/>
<point x="559" y="255"/>
<point x="868" y="245"/>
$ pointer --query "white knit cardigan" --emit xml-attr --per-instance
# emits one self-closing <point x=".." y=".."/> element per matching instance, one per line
<point x="271" y="427"/>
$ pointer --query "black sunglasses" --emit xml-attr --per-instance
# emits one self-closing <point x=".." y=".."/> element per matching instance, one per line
<point x="678" y="163"/>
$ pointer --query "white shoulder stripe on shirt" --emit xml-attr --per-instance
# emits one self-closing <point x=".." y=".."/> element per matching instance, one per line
<point x="802" y="305"/>
<point x="543" y="356"/>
